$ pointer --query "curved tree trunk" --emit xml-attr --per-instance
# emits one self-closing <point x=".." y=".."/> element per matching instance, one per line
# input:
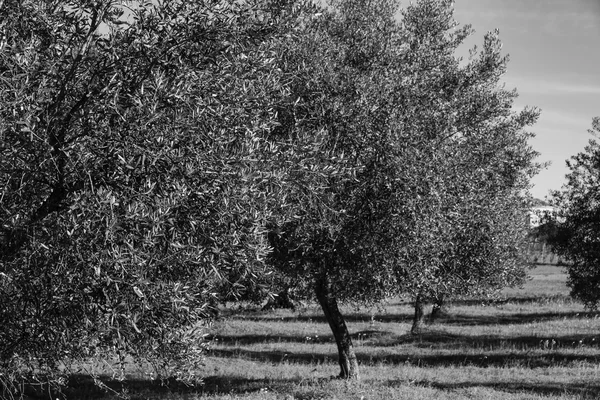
<point x="419" y="317"/>
<point x="347" y="357"/>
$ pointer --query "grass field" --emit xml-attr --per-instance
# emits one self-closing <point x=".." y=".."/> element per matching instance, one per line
<point x="535" y="343"/>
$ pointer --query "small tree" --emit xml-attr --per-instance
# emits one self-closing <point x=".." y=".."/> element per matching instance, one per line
<point x="471" y="184"/>
<point x="575" y="234"/>
<point x="479" y="231"/>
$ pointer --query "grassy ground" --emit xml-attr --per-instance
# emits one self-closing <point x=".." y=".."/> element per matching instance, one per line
<point x="535" y="344"/>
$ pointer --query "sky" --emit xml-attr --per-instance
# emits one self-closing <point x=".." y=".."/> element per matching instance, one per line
<point x="554" y="50"/>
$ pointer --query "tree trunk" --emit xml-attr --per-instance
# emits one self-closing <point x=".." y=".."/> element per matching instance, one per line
<point x="347" y="357"/>
<point x="543" y="260"/>
<point x="439" y="309"/>
<point x="419" y="316"/>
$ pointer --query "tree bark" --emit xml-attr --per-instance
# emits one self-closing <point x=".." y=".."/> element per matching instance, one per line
<point x="419" y="317"/>
<point x="347" y="357"/>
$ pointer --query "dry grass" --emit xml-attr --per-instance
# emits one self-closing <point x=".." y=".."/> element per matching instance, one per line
<point x="535" y="344"/>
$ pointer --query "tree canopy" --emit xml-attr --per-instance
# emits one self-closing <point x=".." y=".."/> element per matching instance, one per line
<point x="427" y="144"/>
<point x="575" y="233"/>
<point x="136" y="177"/>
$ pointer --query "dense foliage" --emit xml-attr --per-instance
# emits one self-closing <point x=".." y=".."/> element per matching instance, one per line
<point x="136" y="179"/>
<point x="575" y="234"/>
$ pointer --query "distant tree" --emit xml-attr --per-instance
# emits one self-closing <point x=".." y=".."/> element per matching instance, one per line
<point x="478" y="228"/>
<point x="389" y="109"/>
<point x="136" y="178"/>
<point x="575" y="233"/>
<point x="484" y="253"/>
<point x="466" y="193"/>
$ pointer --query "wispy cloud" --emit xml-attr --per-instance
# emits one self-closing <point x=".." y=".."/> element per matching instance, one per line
<point x="576" y="88"/>
<point x="553" y="17"/>
<point x="558" y="121"/>
<point x="551" y="87"/>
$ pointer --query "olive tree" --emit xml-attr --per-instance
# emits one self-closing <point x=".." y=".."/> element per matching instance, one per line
<point x="136" y="174"/>
<point x="470" y="181"/>
<point x="475" y="225"/>
<point x="343" y="181"/>
<point x="575" y="233"/>
<point x="387" y="105"/>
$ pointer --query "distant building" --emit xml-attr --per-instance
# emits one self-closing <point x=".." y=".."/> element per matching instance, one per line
<point x="540" y="214"/>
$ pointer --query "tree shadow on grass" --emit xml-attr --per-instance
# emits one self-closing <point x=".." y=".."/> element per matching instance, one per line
<point x="501" y="358"/>
<point x="380" y="337"/>
<point x="83" y="387"/>
<point x="487" y="302"/>
<point x="320" y="318"/>
<point x="238" y="385"/>
<point x="451" y="349"/>
<point x="432" y="339"/>
<point x="429" y="338"/>
<point x="448" y="319"/>
<point x="581" y="390"/>
<point x="256" y="339"/>
<point x="512" y="318"/>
